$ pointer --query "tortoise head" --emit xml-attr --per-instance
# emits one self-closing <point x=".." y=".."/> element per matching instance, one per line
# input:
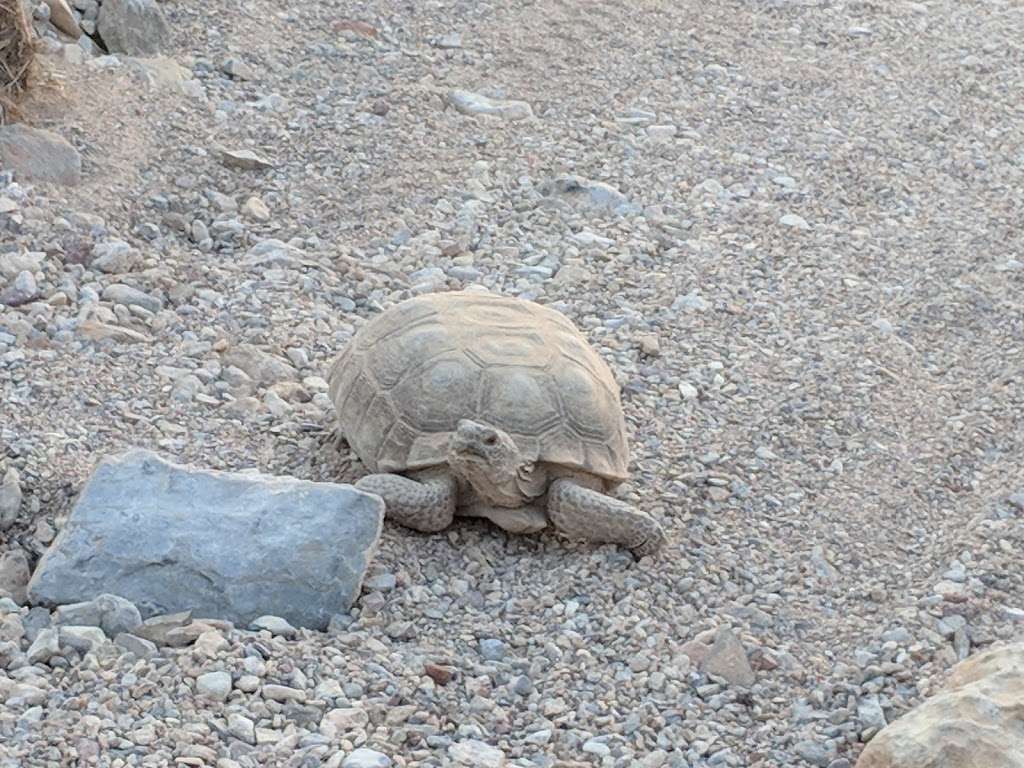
<point x="489" y="459"/>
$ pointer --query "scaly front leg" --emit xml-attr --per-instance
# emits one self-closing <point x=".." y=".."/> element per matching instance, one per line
<point x="426" y="504"/>
<point x="581" y="513"/>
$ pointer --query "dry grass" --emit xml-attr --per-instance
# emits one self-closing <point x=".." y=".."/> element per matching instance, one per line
<point x="17" y="53"/>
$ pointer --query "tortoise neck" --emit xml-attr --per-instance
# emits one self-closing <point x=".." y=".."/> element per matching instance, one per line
<point x="502" y="485"/>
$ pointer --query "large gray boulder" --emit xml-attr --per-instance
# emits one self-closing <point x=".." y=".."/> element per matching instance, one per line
<point x="134" y="27"/>
<point x="232" y="546"/>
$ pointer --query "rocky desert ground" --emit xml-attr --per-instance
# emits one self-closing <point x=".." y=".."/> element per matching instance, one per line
<point x="792" y="229"/>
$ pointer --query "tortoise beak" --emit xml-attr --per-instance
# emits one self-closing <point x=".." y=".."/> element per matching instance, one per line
<point x="465" y="446"/>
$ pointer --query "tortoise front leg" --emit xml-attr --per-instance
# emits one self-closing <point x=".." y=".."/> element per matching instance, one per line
<point x="426" y="504"/>
<point x="582" y="513"/>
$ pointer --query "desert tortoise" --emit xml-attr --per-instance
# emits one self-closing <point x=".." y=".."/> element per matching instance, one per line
<point x="490" y="407"/>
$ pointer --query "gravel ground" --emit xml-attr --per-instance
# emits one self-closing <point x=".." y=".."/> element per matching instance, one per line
<point x="812" y="297"/>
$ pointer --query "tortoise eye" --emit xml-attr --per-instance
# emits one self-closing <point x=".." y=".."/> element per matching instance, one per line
<point x="490" y="440"/>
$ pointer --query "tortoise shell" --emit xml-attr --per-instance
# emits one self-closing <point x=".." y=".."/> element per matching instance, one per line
<point x="408" y="376"/>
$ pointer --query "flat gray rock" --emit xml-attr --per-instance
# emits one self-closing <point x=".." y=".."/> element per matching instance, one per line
<point x="135" y="27"/>
<point x="233" y="546"/>
<point x="39" y="156"/>
<point x="469" y="103"/>
<point x="585" y="194"/>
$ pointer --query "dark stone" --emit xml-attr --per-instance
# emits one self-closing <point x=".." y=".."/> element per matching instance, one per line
<point x="228" y="546"/>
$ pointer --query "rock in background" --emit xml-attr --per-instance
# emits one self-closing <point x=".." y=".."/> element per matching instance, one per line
<point x="132" y="27"/>
<point x="39" y="156"/>
<point x="976" y="722"/>
<point x="229" y="546"/>
<point x="135" y="27"/>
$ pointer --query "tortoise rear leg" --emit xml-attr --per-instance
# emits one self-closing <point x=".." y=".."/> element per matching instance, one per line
<point x="582" y="513"/>
<point x="425" y="504"/>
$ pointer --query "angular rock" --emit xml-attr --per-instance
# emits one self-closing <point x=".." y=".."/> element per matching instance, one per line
<point x="951" y="591"/>
<point x="141" y="647"/>
<point x="492" y="649"/>
<point x="238" y="70"/>
<point x="591" y="746"/>
<point x="339" y="623"/>
<point x="210" y="643"/>
<point x="63" y="19"/>
<point x="125" y="294"/>
<point x="975" y="722"/>
<point x="161" y="72"/>
<point x="273" y="253"/>
<point x="585" y="194"/>
<point x="440" y="674"/>
<point x="14" y="574"/>
<point x="11" y="627"/>
<point x="22" y="291"/>
<point x="283" y="693"/>
<point x="25" y="695"/>
<point x="177" y="631"/>
<point x="338" y="722"/>
<point x="794" y="221"/>
<point x="813" y="752"/>
<point x="241" y="727"/>
<point x="39" y="156"/>
<point x="110" y="613"/>
<point x="469" y="103"/>
<point x="82" y="639"/>
<point x="366" y="758"/>
<point x="262" y="367"/>
<point x="97" y="331"/>
<point x="10" y="498"/>
<point x="477" y="754"/>
<point x="449" y="41"/>
<point x="870" y="713"/>
<point x="214" y="685"/>
<point x="662" y="132"/>
<point x="83" y="614"/>
<point x="44" y="647"/>
<point x="248" y="683"/>
<point x="113" y="257"/>
<point x="256" y="209"/>
<point x="13" y="264"/>
<point x="275" y="625"/>
<point x="696" y="651"/>
<point x="727" y="659"/>
<point x="244" y="159"/>
<point x="8" y="606"/>
<point x="156" y="629"/>
<point x="821" y="565"/>
<point x="135" y="27"/>
<point x="117" y="615"/>
<point x="35" y="621"/>
<point x="231" y="546"/>
<point x="382" y="582"/>
<point x="1001" y="660"/>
